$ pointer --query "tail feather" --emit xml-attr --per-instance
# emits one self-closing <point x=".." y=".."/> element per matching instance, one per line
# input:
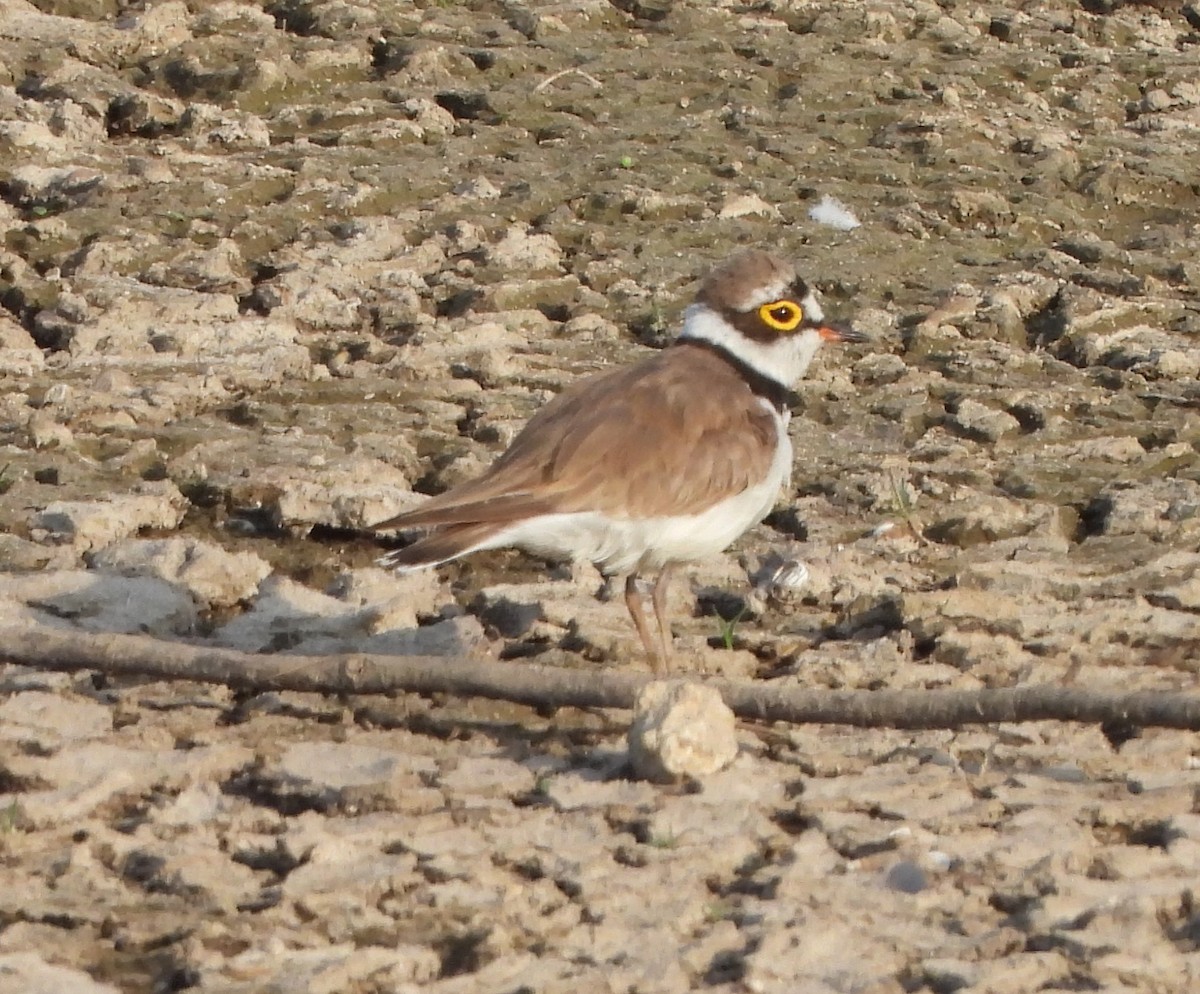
<point x="441" y="546"/>
<point x="451" y="509"/>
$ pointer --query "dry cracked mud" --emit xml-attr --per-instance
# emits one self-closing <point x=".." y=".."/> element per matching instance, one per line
<point x="272" y="269"/>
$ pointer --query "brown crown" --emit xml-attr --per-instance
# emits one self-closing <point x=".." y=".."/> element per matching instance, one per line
<point x="737" y="283"/>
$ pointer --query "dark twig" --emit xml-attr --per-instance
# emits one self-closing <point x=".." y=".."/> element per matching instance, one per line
<point x="547" y="686"/>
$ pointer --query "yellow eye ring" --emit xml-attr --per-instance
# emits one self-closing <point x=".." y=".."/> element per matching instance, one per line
<point x="782" y="315"/>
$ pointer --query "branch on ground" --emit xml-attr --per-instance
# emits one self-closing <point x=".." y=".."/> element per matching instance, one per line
<point x="548" y="686"/>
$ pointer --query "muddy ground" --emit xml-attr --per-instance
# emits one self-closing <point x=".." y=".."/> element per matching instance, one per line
<point x="272" y="270"/>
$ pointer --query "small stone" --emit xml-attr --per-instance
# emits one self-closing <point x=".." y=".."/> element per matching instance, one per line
<point x="978" y="421"/>
<point x="906" y="877"/>
<point x="679" y="730"/>
<point x="1156" y="101"/>
<point x="879" y="369"/>
<point x="45" y="432"/>
<point x="742" y="205"/>
<point x="529" y="254"/>
<point x="1001" y="28"/>
<point x="477" y="189"/>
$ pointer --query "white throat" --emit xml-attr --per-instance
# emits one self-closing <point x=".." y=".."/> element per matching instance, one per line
<point x="785" y="360"/>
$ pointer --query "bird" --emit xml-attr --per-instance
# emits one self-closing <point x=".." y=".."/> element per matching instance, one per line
<point x="647" y="466"/>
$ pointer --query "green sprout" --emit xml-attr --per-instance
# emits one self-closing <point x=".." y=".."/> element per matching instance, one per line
<point x="667" y="840"/>
<point x="905" y="507"/>
<point x="727" y="627"/>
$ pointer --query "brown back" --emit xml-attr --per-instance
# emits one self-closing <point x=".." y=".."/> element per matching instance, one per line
<point x="672" y="434"/>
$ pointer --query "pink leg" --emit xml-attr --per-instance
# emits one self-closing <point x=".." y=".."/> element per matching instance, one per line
<point x="637" y="611"/>
<point x="666" y="644"/>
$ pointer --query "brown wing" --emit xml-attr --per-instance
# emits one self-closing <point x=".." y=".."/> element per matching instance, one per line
<point x="672" y="434"/>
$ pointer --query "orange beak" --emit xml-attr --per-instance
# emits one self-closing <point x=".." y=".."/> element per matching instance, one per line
<point x="832" y="332"/>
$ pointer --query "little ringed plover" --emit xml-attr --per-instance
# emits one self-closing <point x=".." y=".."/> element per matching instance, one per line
<point x="665" y="461"/>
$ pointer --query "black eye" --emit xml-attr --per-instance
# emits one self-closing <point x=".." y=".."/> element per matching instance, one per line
<point x="781" y="314"/>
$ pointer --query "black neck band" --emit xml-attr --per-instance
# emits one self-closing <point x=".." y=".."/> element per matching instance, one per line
<point x="779" y="396"/>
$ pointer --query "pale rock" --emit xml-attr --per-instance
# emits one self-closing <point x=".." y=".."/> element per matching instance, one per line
<point x="529" y="254"/>
<point x="90" y="525"/>
<point x="1152" y="508"/>
<point x="976" y="651"/>
<point x="1169" y="364"/>
<point x="51" y="720"/>
<point x="347" y="492"/>
<point x="680" y="729"/>
<point x="44" y="431"/>
<point x="28" y="973"/>
<point x="213" y="576"/>
<point x="879" y="368"/>
<point x="285" y="614"/>
<point x="590" y="328"/>
<point x="653" y="205"/>
<point x="978" y="421"/>
<point x="41" y="184"/>
<point x="330" y="772"/>
<point x="204" y="269"/>
<point x="461" y="637"/>
<point x="434" y="119"/>
<point x="227" y="17"/>
<point x="743" y="204"/>
<point x="393" y="599"/>
<point x="488" y="776"/>
<point x="436" y="65"/>
<point x="115" y="315"/>
<point x="330" y="969"/>
<point x="192" y="866"/>
<point x="19" y="354"/>
<point x="194" y="805"/>
<point x="95" y="602"/>
<point x="288" y="616"/>
<point x="26" y="137"/>
<point x="77" y="779"/>
<point x="477" y="189"/>
<point x="928" y="614"/>
<point x="1118" y="449"/>
<point x="376" y="252"/>
<point x="978" y="518"/>
<point x="165" y="25"/>
<point x="232" y="130"/>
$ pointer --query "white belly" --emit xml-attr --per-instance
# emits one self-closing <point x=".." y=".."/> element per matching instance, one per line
<point x="624" y="545"/>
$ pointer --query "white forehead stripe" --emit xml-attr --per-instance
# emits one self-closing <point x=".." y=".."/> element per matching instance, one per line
<point x="766" y="294"/>
<point x="812" y="310"/>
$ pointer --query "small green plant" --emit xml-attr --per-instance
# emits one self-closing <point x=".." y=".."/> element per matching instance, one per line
<point x="10" y="818"/>
<point x="719" y="911"/>
<point x="905" y="508"/>
<point x="727" y="628"/>
<point x="667" y="840"/>
<point x="7" y="482"/>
